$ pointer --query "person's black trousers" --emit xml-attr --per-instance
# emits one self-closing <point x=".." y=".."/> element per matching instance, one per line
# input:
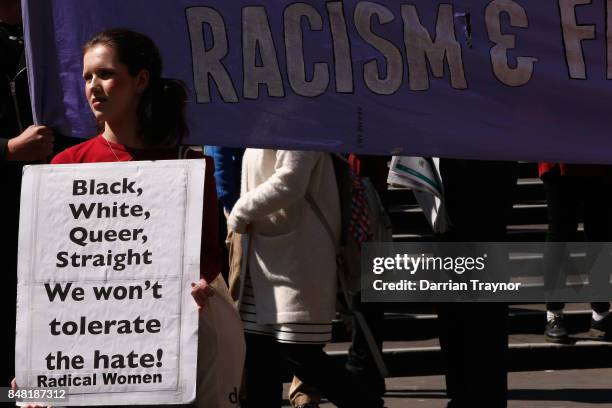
<point x="474" y="343"/>
<point x="474" y="336"/>
<point x="567" y="198"/>
<point x="267" y="360"/>
<point x="360" y="362"/>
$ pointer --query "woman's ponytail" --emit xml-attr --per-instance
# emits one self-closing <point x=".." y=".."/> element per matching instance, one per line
<point x="162" y="113"/>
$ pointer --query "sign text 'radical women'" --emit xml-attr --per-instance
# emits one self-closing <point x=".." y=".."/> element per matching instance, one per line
<point x="504" y="79"/>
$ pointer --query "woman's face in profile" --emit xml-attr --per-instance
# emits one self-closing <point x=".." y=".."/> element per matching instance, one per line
<point x="112" y="93"/>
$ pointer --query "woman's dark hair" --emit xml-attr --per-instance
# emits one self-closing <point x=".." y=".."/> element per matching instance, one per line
<point x="161" y="111"/>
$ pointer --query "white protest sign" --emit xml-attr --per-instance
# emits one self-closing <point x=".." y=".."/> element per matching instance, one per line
<point x="107" y="253"/>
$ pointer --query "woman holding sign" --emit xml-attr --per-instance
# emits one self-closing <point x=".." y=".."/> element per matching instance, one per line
<point x="142" y="118"/>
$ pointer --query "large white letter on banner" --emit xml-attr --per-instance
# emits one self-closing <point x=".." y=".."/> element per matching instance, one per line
<point x="257" y="40"/>
<point x="207" y="64"/>
<point x="294" y="46"/>
<point x="343" y="61"/>
<point x="389" y="84"/>
<point x="573" y="34"/>
<point x="420" y="48"/>
<point x="499" y="53"/>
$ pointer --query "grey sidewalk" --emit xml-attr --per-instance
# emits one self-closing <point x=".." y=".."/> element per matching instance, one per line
<point x="535" y="389"/>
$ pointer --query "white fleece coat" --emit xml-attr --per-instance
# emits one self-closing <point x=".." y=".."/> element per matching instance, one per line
<point x="291" y="257"/>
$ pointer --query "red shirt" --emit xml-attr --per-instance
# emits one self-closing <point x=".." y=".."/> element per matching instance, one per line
<point x="374" y="167"/>
<point x="98" y="150"/>
<point x="580" y="170"/>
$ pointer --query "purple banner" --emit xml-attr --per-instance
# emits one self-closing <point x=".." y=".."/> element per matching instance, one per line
<point x="490" y="79"/>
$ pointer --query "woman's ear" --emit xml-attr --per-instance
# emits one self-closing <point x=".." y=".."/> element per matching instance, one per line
<point x="142" y="81"/>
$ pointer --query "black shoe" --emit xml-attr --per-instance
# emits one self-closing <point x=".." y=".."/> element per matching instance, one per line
<point x="555" y="331"/>
<point x="602" y="330"/>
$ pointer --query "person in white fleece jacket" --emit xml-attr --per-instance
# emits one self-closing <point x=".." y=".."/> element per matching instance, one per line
<point x="288" y="300"/>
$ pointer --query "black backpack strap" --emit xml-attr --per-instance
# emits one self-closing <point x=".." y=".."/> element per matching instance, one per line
<point x="317" y="210"/>
<point x="361" y="321"/>
<point x="343" y="181"/>
<point x="23" y="63"/>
